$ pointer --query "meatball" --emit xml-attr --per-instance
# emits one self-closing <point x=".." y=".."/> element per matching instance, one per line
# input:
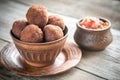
<point x="18" y="26"/>
<point x="56" y="20"/>
<point x="37" y="15"/>
<point x="52" y="32"/>
<point x="32" y="33"/>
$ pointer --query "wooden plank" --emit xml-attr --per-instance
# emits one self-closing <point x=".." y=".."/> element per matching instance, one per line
<point x="69" y="75"/>
<point x="18" y="11"/>
<point x="104" y="63"/>
<point x="82" y="8"/>
<point x="7" y="20"/>
<point x="2" y="44"/>
<point x="11" y="13"/>
<point x="9" y="75"/>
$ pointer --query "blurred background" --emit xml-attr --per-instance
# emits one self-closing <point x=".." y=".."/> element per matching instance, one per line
<point x="11" y="10"/>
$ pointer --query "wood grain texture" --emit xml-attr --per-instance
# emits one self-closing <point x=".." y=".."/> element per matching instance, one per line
<point x="69" y="57"/>
<point x="70" y="75"/>
<point x="82" y="8"/>
<point x="2" y="44"/>
<point x="104" y="64"/>
<point x="16" y="9"/>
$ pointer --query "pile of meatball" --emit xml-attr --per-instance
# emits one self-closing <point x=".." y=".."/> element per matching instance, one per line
<point x="39" y="26"/>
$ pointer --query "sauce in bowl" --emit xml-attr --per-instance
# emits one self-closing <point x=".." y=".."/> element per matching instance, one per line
<point x="93" y="23"/>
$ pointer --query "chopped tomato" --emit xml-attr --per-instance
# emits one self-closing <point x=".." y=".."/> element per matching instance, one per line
<point x="94" y="26"/>
<point x="93" y="23"/>
<point x="87" y="22"/>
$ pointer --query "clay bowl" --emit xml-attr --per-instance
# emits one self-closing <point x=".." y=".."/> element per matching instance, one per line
<point x="40" y="54"/>
<point x="93" y="39"/>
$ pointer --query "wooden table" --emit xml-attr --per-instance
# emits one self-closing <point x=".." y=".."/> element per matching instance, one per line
<point x="99" y="65"/>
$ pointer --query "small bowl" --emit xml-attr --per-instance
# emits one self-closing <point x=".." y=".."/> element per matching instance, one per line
<point x="93" y="39"/>
<point x="40" y="54"/>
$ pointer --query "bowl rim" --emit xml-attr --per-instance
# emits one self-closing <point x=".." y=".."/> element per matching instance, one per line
<point x="42" y="43"/>
<point x="102" y="18"/>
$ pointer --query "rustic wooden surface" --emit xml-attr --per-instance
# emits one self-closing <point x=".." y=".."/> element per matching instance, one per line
<point x="68" y="58"/>
<point x="101" y="65"/>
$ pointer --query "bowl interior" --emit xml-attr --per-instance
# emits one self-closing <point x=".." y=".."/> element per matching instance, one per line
<point x="101" y="18"/>
<point x="65" y="31"/>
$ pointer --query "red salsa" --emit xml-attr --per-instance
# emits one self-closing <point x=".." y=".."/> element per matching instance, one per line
<point x="93" y="23"/>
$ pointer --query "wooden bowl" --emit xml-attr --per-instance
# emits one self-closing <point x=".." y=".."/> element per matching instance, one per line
<point x="93" y="39"/>
<point x="40" y="54"/>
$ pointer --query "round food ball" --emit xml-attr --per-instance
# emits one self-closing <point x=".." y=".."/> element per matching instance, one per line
<point x="37" y="15"/>
<point x="56" y="20"/>
<point x="18" y="26"/>
<point x="32" y="34"/>
<point x="52" y="32"/>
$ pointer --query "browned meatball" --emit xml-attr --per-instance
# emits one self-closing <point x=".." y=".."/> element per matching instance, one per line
<point x="18" y="26"/>
<point x="52" y="32"/>
<point x="56" y="20"/>
<point x="37" y="15"/>
<point x="32" y="33"/>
